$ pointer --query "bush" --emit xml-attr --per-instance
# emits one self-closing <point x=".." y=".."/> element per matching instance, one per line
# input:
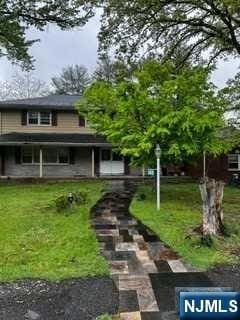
<point x="141" y="196"/>
<point x="70" y="200"/>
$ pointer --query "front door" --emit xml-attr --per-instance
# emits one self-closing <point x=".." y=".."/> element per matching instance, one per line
<point x="111" y="163"/>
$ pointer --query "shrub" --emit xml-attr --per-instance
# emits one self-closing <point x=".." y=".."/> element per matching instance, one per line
<point x="66" y="202"/>
<point x="141" y="196"/>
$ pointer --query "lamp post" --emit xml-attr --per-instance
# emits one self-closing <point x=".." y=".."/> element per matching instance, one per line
<point x="158" y="155"/>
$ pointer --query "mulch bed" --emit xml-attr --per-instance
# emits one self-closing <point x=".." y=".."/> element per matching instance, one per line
<point x="226" y="276"/>
<point x="75" y="299"/>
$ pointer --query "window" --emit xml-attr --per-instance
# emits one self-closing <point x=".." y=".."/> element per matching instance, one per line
<point x="27" y="155"/>
<point x="63" y="155"/>
<point x="106" y="155"/>
<point x="83" y="122"/>
<point x="116" y="156"/>
<point x="234" y="162"/>
<point x="109" y="155"/>
<point x="51" y="155"/>
<point x="43" y="118"/>
<point x="32" y="117"/>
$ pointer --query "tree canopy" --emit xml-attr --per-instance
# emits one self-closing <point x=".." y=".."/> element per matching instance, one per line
<point x="182" y="111"/>
<point x="23" y="86"/>
<point x="72" y="80"/>
<point x="19" y="15"/>
<point x="161" y="26"/>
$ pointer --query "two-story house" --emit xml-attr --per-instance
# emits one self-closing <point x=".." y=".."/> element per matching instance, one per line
<point x="46" y="137"/>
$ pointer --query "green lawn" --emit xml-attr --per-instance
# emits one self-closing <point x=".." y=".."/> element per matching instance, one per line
<point x="180" y="213"/>
<point x="38" y="242"/>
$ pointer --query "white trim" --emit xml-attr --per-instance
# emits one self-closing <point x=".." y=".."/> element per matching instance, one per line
<point x="234" y="169"/>
<point x="39" y="124"/>
<point x="40" y="162"/>
<point x="93" y="162"/>
<point x="111" y="167"/>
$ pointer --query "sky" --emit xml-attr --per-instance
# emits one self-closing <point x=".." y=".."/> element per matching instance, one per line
<point x="57" y="49"/>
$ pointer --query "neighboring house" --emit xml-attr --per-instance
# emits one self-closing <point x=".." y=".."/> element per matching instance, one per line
<point x="46" y="137"/>
<point x="222" y="167"/>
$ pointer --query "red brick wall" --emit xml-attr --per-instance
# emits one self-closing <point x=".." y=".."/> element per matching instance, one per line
<point x="215" y="168"/>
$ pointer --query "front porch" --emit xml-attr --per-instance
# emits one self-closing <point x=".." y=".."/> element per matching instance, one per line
<point x="66" y="157"/>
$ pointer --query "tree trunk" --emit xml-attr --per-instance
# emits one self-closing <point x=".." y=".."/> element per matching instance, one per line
<point x="212" y="196"/>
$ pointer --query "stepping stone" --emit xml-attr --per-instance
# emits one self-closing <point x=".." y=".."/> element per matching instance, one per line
<point x="147" y="300"/>
<point x="162" y="266"/>
<point x="128" y="301"/>
<point x="118" y="267"/>
<point x="168" y="254"/>
<point x="108" y="232"/>
<point x="133" y="232"/>
<point x="104" y="226"/>
<point x="155" y="250"/>
<point x="134" y="282"/>
<point x="126" y="246"/>
<point x="130" y="316"/>
<point x="126" y="236"/>
<point x="177" y="266"/>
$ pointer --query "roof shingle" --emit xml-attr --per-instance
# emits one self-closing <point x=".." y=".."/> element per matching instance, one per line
<point x="54" y="102"/>
<point x="16" y="138"/>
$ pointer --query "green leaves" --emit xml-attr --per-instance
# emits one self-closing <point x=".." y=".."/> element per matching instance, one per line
<point x="19" y="15"/>
<point x="183" y="112"/>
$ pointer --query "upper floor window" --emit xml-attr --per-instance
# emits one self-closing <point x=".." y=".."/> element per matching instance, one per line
<point x="39" y="118"/>
<point x="234" y="161"/>
<point x="83" y="122"/>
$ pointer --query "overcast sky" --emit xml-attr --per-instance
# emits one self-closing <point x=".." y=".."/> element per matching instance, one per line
<point x="57" y="49"/>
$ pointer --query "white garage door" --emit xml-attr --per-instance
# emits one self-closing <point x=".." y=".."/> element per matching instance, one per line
<point x="111" y="163"/>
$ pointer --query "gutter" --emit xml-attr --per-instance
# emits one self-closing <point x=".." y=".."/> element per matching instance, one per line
<point x="17" y="143"/>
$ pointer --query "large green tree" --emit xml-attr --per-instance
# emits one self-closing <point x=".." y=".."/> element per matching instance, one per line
<point x="163" y="25"/>
<point x="182" y="111"/>
<point x="17" y="16"/>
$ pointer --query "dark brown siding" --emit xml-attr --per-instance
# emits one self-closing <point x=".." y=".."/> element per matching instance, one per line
<point x="24" y="118"/>
<point x="215" y="168"/>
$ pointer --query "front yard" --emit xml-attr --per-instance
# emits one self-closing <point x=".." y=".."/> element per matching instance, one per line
<point x="180" y="213"/>
<point x="38" y="242"/>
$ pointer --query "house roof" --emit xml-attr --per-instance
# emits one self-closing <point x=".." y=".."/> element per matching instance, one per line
<point x="54" y="102"/>
<point x="57" y="139"/>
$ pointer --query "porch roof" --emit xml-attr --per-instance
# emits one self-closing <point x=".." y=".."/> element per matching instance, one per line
<point x="69" y="139"/>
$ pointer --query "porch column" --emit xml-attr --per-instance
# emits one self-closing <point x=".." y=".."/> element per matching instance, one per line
<point x="143" y="171"/>
<point x="40" y="162"/>
<point x="93" y="162"/>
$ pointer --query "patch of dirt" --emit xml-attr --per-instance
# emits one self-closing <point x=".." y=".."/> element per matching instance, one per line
<point x="75" y="299"/>
<point x="226" y="276"/>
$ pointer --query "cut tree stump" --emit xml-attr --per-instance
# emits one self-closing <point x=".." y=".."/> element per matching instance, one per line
<point x="212" y="196"/>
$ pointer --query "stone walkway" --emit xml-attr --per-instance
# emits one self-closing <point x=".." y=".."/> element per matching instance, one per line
<point x="144" y="269"/>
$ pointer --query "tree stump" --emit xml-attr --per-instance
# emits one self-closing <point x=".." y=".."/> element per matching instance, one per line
<point x="212" y="196"/>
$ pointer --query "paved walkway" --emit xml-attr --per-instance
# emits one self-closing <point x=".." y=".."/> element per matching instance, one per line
<point x="144" y="269"/>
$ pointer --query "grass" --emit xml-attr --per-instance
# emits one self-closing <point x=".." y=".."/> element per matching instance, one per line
<point x="38" y="242"/>
<point x="180" y="213"/>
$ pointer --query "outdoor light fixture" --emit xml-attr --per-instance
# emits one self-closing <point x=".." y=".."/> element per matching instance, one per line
<point x="158" y="155"/>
